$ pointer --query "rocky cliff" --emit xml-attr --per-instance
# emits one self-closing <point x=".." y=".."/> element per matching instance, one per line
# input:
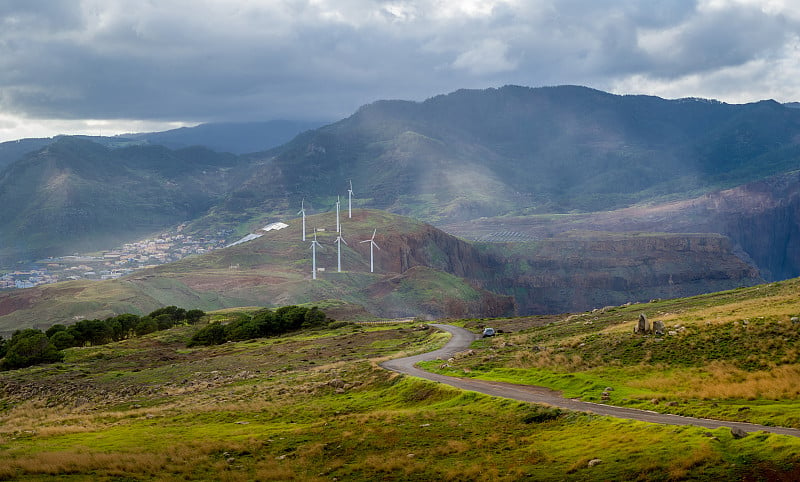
<point x="591" y="270"/>
<point x="578" y="270"/>
<point x="761" y="220"/>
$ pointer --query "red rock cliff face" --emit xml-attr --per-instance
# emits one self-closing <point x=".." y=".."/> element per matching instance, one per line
<point x="560" y="275"/>
<point x="762" y="220"/>
<point x="576" y="273"/>
<point x="436" y="249"/>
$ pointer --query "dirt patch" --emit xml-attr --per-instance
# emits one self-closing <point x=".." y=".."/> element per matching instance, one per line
<point x="26" y="298"/>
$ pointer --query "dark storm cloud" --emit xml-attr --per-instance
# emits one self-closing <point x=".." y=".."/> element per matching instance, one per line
<point x="238" y="60"/>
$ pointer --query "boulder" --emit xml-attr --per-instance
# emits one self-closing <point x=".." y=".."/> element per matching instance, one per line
<point x="738" y="433"/>
<point x="658" y="327"/>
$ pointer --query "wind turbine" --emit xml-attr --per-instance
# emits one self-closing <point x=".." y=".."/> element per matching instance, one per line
<point x="314" y="245"/>
<point x="339" y="241"/>
<point x="350" y="200"/>
<point x="371" y="242"/>
<point x="338" y="226"/>
<point x="303" y="212"/>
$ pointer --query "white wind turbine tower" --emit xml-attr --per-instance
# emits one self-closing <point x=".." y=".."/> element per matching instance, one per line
<point x="314" y="245"/>
<point x="339" y="241"/>
<point x="303" y="212"/>
<point x="338" y="226"/>
<point x="371" y="242"/>
<point x="350" y="200"/>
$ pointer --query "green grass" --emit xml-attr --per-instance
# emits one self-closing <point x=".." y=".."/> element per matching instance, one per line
<point x="732" y="355"/>
<point x="315" y="405"/>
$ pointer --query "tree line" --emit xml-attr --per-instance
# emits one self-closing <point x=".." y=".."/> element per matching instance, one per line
<point x="262" y="323"/>
<point x="32" y="346"/>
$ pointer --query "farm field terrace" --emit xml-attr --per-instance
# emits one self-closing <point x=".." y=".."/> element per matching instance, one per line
<point x="316" y="406"/>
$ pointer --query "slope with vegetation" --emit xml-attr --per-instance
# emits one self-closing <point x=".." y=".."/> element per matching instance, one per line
<point x="730" y="355"/>
<point x="76" y="195"/>
<point x="420" y="271"/>
<point x="314" y="405"/>
<point x="526" y="150"/>
<point x="31" y="346"/>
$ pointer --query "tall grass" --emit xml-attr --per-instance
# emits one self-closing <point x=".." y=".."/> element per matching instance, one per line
<point x="723" y="380"/>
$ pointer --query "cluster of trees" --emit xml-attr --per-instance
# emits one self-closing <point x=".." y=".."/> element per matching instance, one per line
<point x="262" y="323"/>
<point x="32" y="346"/>
<point x="27" y="347"/>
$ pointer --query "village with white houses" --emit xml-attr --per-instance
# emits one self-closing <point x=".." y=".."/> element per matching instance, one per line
<point x="163" y="248"/>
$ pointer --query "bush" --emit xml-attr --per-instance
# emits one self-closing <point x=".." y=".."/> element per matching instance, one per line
<point x="339" y="324"/>
<point x="54" y="329"/>
<point x="262" y="323"/>
<point x="127" y="323"/>
<point x="146" y="325"/>
<point x="29" y="347"/>
<point x="175" y="313"/>
<point x="164" y="321"/>
<point x="213" y="334"/>
<point x="62" y="339"/>
<point x="193" y="316"/>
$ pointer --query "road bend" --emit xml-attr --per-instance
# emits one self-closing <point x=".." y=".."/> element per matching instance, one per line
<point x="461" y="340"/>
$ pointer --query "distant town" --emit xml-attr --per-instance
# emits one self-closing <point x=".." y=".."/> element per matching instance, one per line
<point x="164" y="248"/>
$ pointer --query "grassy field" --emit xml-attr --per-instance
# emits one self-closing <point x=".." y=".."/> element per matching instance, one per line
<point x="316" y="406"/>
<point x="732" y="355"/>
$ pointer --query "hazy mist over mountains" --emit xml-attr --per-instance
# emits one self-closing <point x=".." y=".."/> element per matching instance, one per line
<point x="476" y="162"/>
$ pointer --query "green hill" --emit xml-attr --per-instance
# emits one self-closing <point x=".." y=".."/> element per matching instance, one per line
<point x="315" y="405"/>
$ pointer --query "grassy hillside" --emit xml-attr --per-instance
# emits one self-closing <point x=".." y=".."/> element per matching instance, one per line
<point x="730" y="355"/>
<point x="414" y="276"/>
<point x="420" y="271"/>
<point x="315" y="406"/>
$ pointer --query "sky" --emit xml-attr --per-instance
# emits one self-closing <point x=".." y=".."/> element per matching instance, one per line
<point x="104" y="67"/>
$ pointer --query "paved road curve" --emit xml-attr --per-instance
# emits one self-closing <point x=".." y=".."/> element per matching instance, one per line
<point x="461" y="341"/>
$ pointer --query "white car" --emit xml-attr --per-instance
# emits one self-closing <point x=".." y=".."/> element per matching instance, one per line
<point x="488" y="332"/>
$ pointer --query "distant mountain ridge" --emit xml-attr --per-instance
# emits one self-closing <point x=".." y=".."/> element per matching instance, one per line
<point x="76" y="195"/>
<point x="455" y="158"/>
<point x="519" y="150"/>
<point x="233" y="137"/>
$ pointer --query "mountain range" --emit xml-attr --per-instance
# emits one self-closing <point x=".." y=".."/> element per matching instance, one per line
<point x="559" y="175"/>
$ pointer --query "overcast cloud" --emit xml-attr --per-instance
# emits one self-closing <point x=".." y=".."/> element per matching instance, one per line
<point x="109" y="66"/>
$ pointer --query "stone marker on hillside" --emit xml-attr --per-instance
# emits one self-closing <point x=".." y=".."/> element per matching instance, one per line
<point x="643" y="327"/>
<point x="658" y="327"/>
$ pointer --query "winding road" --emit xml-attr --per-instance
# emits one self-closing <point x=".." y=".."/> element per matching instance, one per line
<point x="461" y="340"/>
